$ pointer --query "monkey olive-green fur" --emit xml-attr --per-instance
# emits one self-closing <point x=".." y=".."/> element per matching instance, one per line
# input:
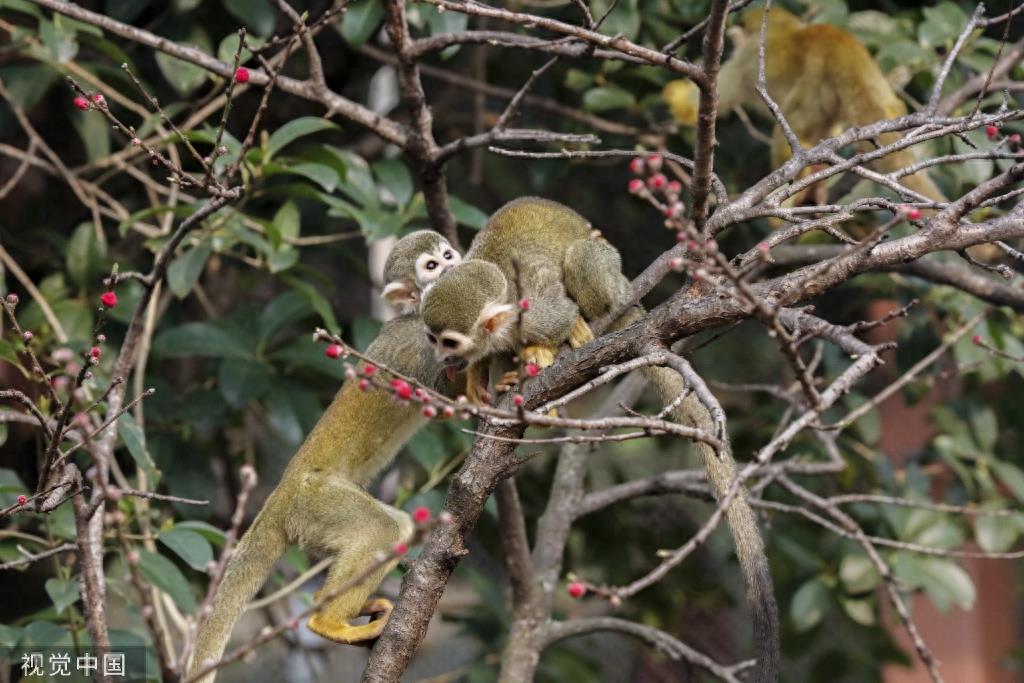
<point x="473" y="285"/>
<point x="536" y="238"/>
<point x="320" y="503"/>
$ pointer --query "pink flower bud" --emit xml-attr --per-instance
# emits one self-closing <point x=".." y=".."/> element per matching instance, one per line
<point x="421" y="515"/>
<point x="658" y="181"/>
<point x="518" y="400"/>
<point x="636" y="166"/>
<point x="108" y="299"/>
<point x="532" y="369"/>
<point x="576" y="589"/>
<point x="636" y="186"/>
<point x="241" y="75"/>
<point x="80" y="103"/>
<point x="333" y="351"/>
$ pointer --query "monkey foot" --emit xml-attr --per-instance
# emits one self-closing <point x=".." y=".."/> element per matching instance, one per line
<point x="541" y="356"/>
<point x="580" y="333"/>
<point x="379" y="609"/>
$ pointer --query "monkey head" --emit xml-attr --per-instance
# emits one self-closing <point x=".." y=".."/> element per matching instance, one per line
<point x="415" y="262"/>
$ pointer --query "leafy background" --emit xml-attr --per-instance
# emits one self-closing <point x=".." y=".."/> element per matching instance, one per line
<point x="239" y="381"/>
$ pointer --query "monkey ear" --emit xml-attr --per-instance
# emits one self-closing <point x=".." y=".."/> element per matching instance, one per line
<point x="496" y="318"/>
<point x="401" y="295"/>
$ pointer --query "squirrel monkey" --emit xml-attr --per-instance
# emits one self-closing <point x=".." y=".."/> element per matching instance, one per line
<point x="508" y="294"/>
<point x="321" y="505"/>
<point x="468" y="314"/>
<point x="822" y="77"/>
<point x="415" y="261"/>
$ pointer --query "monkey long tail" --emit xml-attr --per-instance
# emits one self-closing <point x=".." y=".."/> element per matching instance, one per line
<point x="721" y="468"/>
<point x="247" y="570"/>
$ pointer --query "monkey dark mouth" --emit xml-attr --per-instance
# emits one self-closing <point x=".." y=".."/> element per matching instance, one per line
<point x="455" y="363"/>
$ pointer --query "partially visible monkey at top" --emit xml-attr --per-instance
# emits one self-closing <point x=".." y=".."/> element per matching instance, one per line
<point x="822" y="78"/>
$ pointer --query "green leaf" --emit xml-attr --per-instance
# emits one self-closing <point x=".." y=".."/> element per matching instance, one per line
<point x="85" y="254"/>
<point x="321" y="174"/>
<point x="295" y="129"/>
<point x="394" y="176"/>
<point x="995" y="534"/>
<point x="317" y="301"/>
<point x="1011" y="475"/>
<point x="861" y="611"/>
<point x="63" y="593"/>
<point x="184" y="271"/>
<point x="858" y="574"/>
<point x="94" y="130"/>
<point x="943" y="580"/>
<point x="256" y="14"/>
<point x="285" y="309"/>
<point x="467" y="214"/>
<point x="8" y="354"/>
<point x="184" y="76"/>
<point x="607" y="97"/>
<point x="135" y="441"/>
<point x="283" y="259"/>
<point x="188" y="545"/>
<point x="207" y="531"/>
<point x="624" y="17"/>
<point x="162" y="573"/>
<point x="201" y="339"/>
<point x="985" y="428"/>
<point x="59" y="40"/>
<point x="809" y="604"/>
<point x="358" y="181"/>
<point x="242" y="380"/>
<point x="360" y="20"/>
<point x="286" y="224"/>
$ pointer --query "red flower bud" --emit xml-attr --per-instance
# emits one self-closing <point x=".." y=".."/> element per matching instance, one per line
<point x="26" y="336"/>
<point x="241" y="75"/>
<point x="976" y="340"/>
<point x="401" y="388"/>
<point x="532" y="369"/>
<point x="911" y="212"/>
<point x="636" y="186"/>
<point x="576" y="589"/>
<point x="333" y="351"/>
<point x="364" y="384"/>
<point x="654" y="161"/>
<point x="12" y="299"/>
<point x="677" y="264"/>
<point x="99" y="99"/>
<point x="518" y="400"/>
<point x="658" y="181"/>
<point x="524" y="304"/>
<point x="108" y="299"/>
<point x="95" y="352"/>
<point x="429" y="412"/>
<point x="991" y="131"/>
<point x="636" y="165"/>
<point x="399" y="548"/>
<point x="674" y="187"/>
<point x="81" y="103"/>
<point x="447" y="412"/>
<point x="22" y="500"/>
<point x="421" y="515"/>
<point x="369" y="369"/>
<point x="1014" y="139"/>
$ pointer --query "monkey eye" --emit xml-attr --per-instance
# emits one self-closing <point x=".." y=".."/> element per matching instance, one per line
<point x="447" y="255"/>
<point x="449" y="343"/>
<point x="431" y="265"/>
